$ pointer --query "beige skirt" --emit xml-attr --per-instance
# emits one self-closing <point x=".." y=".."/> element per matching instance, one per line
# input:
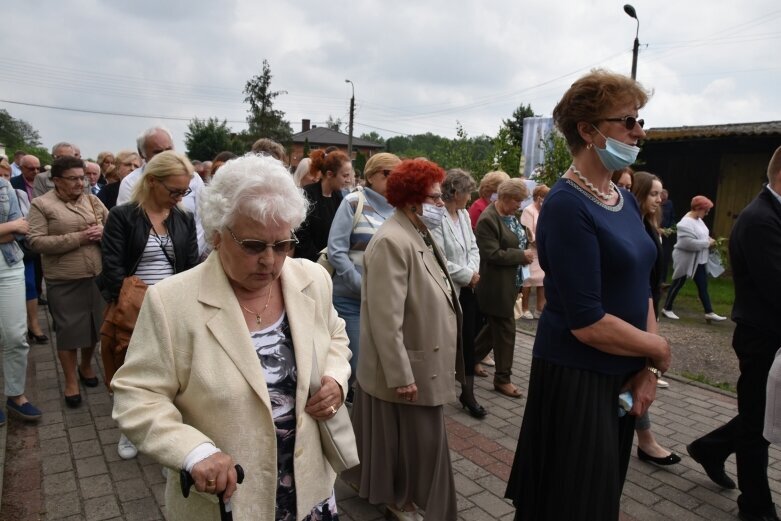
<point x="77" y="310"/>
<point x="404" y="456"/>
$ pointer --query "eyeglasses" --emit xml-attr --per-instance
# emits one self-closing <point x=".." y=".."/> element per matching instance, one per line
<point x="34" y="168"/>
<point x="176" y="193"/>
<point x="434" y="197"/>
<point x="628" y="121"/>
<point x="79" y="178"/>
<point x="256" y="247"/>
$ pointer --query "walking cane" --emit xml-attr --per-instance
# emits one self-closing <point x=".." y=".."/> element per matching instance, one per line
<point x="226" y="513"/>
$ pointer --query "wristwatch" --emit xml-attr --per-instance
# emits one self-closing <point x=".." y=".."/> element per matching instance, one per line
<point x="656" y="372"/>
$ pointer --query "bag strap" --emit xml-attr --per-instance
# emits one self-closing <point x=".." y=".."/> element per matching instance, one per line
<point x="359" y="208"/>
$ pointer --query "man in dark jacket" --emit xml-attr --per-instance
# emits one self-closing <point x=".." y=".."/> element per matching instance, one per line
<point x="755" y="256"/>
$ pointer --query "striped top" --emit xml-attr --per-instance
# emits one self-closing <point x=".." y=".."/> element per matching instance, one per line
<point x="153" y="265"/>
<point x="347" y="244"/>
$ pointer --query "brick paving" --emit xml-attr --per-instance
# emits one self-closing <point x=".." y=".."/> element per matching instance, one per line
<point x="66" y="467"/>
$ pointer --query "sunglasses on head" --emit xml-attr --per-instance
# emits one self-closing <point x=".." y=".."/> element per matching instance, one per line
<point x="256" y="247"/>
<point x="628" y="121"/>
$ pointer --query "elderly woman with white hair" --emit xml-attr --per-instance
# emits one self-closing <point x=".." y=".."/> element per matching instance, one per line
<point x="218" y="369"/>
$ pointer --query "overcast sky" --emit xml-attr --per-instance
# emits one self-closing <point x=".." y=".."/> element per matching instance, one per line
<point x="417" y="66"/>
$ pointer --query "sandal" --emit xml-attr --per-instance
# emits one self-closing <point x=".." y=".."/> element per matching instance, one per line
<point x="508" y="389"/>
<point x="479" y="371"/>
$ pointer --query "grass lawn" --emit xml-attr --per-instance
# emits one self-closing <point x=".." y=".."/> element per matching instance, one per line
<point x="721" y="291"/>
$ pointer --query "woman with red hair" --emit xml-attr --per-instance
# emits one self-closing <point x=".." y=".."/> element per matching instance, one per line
<point x="410" y="350"/>
<point x="334" y="170"/>
<point x="690" y="258"/>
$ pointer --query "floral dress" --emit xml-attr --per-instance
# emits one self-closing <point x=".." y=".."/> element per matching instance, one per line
<point x="517" y="228"/>
<point x="274" y="346"/>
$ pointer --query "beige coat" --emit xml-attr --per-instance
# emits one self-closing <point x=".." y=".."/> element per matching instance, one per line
<point x="192" y="376"/>
<point x="55" y="231"/>
<point x="410" y="318"/>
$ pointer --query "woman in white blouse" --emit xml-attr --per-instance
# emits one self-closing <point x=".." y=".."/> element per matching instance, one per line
<point x="690" y="258"/>
<point x="457" y="240"/>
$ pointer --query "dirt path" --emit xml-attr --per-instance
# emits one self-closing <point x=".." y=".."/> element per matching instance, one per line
<point x="699" y="349"/>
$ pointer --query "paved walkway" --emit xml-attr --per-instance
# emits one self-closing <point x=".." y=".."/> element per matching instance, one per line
<point x="67" y="466"/>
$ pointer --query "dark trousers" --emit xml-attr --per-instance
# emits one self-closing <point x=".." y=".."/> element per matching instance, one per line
<point x="497" y="333"/>
<point x="667" y="254"/>
<point x="700" y="279"/>
<point x="469" y="327"/>
<point x="743" y="434"/>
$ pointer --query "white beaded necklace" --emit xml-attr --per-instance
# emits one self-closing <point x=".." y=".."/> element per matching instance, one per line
<point x="590" y="185"/>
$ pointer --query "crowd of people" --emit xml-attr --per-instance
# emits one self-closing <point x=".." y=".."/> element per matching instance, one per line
<point x="219" y="290"/>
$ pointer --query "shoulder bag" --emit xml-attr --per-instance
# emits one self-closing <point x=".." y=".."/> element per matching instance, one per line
<point x="336" y="433"/>
<point x="322" y="258"/>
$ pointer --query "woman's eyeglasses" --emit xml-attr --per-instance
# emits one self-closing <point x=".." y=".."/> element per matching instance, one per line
<point x="177" y="193"/>
<point x="628" y="121"/>
<point x="256" y="247"/>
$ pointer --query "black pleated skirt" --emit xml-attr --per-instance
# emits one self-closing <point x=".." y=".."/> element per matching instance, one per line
<point x="573" y="450"/>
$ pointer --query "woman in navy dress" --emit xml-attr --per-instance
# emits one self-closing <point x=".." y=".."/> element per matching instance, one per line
<point x="592" y="341"/>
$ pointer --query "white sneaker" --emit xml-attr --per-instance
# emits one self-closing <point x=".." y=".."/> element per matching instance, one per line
<point x="714" y="317"/>
<point x="527" y="315"/>
<point x="125" y="448"/>
<point x="669" y="314"/>
<point x="662" y="384"/>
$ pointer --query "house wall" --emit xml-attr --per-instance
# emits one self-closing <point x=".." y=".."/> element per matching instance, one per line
<point x="729" y="171"/>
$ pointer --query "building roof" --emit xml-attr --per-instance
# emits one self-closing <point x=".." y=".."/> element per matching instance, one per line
<point x="326" y="136"/>
<point x="766" y="128"/>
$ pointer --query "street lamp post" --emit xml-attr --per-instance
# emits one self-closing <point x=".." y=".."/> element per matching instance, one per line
<point x="628" y="9"/>
<point x="352" y="116"/>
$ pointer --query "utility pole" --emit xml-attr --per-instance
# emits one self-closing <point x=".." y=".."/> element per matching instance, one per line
<point x="352" y="117"/>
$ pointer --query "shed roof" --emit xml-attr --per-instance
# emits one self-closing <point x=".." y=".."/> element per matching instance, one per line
<point x="765" y="128"/>
<point x="327" y="136"/>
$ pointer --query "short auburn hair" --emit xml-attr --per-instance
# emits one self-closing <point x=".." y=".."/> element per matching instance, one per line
<point x="700" y="202"/>
<point x="410" y="182"/>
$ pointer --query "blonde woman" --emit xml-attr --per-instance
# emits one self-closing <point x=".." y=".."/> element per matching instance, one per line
<point x="151" y="237"/>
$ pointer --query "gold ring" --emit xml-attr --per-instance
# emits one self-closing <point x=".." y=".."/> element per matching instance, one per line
<point x="211" y="482"/>
<point x="333" y="410"/>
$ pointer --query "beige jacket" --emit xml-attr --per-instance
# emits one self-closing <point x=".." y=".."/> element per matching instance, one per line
<point x="192" y="376"/>
<point x="55" y="228"/>
<point x="410" y="318"/>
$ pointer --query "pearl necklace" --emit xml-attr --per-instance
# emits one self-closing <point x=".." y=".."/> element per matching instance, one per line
<point x="258" y="316"/>
<point x="590" y="185"/>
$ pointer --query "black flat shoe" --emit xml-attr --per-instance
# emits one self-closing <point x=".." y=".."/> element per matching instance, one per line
<point x="73" y="401"/>
<point x="42" y="301"/>
<point x="38" y="339"/>
<point x="475" y="409"/>
<point x="714" y="470"/>
<point x="745" y="516"/>
<point x="89" y="382"/>
<point x="670" y="459"/>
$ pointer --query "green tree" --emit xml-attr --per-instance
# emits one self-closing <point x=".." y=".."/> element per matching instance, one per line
<point x="374" y="137"/>
<point x="307" y="147"/>
<point x="360" y="163"/>
<point x="262" y="118"/>
<point x="515" y="124"/>
<point x="205" y="138"/>
<point x="557" y="159"/>
<point x="333" y="123"/>
<point x="506" y="153"/>
<point x="16" y="133"/>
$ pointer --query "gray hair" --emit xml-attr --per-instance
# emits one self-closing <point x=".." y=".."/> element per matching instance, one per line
<point x="255" y="186"/>
<point x="141" y="139"/>
<point x="61" y="144"/>
<point x="456" y="182"/>
<point x="301" y="170"/>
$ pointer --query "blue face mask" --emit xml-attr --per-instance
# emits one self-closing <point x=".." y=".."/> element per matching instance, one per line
<point x="616" y="155"/>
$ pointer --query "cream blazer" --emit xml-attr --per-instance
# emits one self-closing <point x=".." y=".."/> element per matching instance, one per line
<point x="410" y="318"/>
<point x="192" y="376"/>
<point x="463" y="258"/>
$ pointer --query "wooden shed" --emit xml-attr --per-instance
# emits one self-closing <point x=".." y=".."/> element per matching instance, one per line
<point x="726" y="163"/>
